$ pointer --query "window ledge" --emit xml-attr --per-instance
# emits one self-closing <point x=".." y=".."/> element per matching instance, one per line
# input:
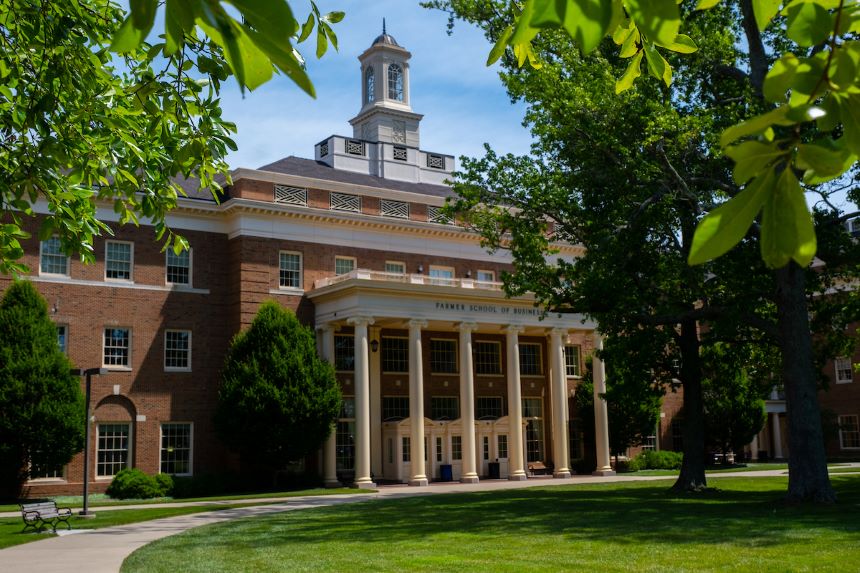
<point x="177" y="370"/>
<point x="290" y="291"/>
<point x="844" y="381"/>
<point x="118" y="369"/>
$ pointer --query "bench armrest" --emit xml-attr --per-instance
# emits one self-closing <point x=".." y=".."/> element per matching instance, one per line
<point x="64" y="511"/>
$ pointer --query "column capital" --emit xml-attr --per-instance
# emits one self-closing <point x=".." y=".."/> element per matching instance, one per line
<point x="513" y="329"/>
<point x="559" y="332"/>
<point x="417" y="323"/>
<point x="360" y="321"/>
<point x="467" y="326"/>
<point x="327" y="327"/>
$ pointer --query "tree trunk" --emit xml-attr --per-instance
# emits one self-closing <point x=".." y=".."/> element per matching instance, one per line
<point x="807" y="462"/>
<point x="692" y="476"/>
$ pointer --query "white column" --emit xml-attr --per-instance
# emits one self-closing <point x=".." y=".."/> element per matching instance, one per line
<point x="375" y="405"/>
<point x="601" y="416"/>
<point x="777" y="437"/>
<point x="516" y="461"/>
<point x="416" y="402"/>
<point x="561" y="452"/>
<point x="467" y="402"/>
<point x="326" y="345"/>
<point x="362" y="403"/>
<point x="754" y="448"/>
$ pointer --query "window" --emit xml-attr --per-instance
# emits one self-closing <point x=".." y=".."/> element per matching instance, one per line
<point x="677" y="434"/>
<point x="488" y="357"/>
<point x="345" y="202"/>
<point x="571" y="360"/>
<point x="395" y="354"/>
<point x="397" y="209"/>
<point x="294" y="195"/>
<point x="62" y="337"/>
<point x="854" y="227"/>
<point x="437" y="215"/>
<point x="443" y="356"/>
<point x="178" y="267"/>
<point x="444" y="407"/>
<point x="344" y="265"/>
<point x="650" y="443"/>
<point x="344" y="352"/>
<point x="530" y="360"/>
<point x="441" y="275"/>
<point x="46" y="472"/>
<point x="345" y="436"/>
<point x="576" y="439"/>
<point x="485" y="449"/>
<point x="438" y="449"/>
<point x="844" y="370"/>
<point x="290" y="270"/>
<point x="395" y="408"/>
<point x="406" y="446"/>
<point x="395" y="82"/>
<point x="849" y="432"/>
<point x="117" y="347"/>
<point x="486" y="276"/>
<point x="456" y="448"/>
<point x="488" y="407"/>
<point x="52" y="259"/>
<point x="502" y="443"/>
<point x="177" y="350"/>
<point x="118" y="260"/>
<point x="112" y="449"/>
<point x="176" y="449"/>
<point x="395" y="267"/>
<point x="533" y="414"/>
<point x="369" y="85"/>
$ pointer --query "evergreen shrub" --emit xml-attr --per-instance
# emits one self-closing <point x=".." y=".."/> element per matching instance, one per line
<point x="131" y="483"/>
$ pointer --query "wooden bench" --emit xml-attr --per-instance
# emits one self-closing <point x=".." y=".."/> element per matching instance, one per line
<point x="39" y="514"/>
<point x="538" y="468"/>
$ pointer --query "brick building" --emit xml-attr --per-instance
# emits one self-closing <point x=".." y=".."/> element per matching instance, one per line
<point x="430" y="354"/>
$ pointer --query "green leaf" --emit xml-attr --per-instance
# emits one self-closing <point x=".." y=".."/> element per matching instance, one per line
<point x="500" y="45"/>
<point x="143" y="14"/>
<point x="787" y="231"/>
<point x="632" y="72"/>
<point x="726" y="226"/>
<point x="752" y="157"/>
<point x="334" y="17"/>
<point x="808" y="23"/>
<point x="755" y="125"/>
<point x="821" y="163"/>
<point x="849" y="112"/>
<point x="780" y="78"/>
<point x="127" y="38"/>
<point x="658" y="20"/>
<point x="683" y="45"/>
<point x="307" y="28"/>
<point x="322" y="42"/>
<point x="286" y="61"/>
<point x="706" y="4"/>
<point x="764" y="11"/>
<point x="629" y="47"/>
<point x="587" y="22"/>
<point x="657" y="64"/>
<point x="272" y="18"/>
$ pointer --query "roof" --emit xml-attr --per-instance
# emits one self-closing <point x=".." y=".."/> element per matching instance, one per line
<point x="386" y="39"/>
<point x="192" y="188"/>
<point x="293" y="165"/>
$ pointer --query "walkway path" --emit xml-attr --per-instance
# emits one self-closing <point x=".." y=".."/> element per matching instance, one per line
<point x="104" y="550"/>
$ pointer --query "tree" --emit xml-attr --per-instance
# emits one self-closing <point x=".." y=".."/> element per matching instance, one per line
<point x="82" y="125"/>
<point x="42" y="425"/>
<point x="630" y="177"/>
<point x="734" y="390"/>
<point x="278" y="399"/>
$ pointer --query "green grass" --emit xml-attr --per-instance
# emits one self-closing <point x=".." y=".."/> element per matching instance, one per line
<point x="637" y="526"/>
<point x="101" y="500"/>
<point x="748" y="467"/>
<point x="11" y="534"/>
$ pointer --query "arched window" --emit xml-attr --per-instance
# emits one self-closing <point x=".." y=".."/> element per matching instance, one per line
<point x="395" y="82"/>
<point x="369" y="85"/>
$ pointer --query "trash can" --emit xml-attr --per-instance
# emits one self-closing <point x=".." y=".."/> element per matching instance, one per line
<point x="494" y="471"/>
<point x="446" y="472"/>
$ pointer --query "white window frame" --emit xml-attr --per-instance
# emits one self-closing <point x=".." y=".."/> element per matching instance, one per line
<point x="839" y="366"/>
<point x="190" y="446"/>
<point x="129" y="450"/>
<point x="578" y="361"/>
<point x="856" y="424"/>
<point x="440" y="280"/>
<point x="491" y="274"/>
<point x="65" y="336"/>
<point x="401" y="264"/>
<point x="117" y="367"/>
<point x="130" y="278"/>
<point x="177" y="368"/>
<point x="344" y="258"/>
<point x="301" y="281"/>
<point x="42" y="253"/>
<point x="539" y="359"/>
<point x="167" y="281"/>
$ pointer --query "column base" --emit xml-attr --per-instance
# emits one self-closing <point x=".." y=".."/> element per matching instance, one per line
<point x="469" y="479"/>
<point x="563" y="473"/>
<point x="518" y="477"/>
<point x="418" y="482"/>
<point x="364" y="485"/>
<point x="331" y="484"/>
<point x="603" y="472"/>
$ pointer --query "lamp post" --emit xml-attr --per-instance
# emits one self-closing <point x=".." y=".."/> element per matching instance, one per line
<point x="88" y="373"/>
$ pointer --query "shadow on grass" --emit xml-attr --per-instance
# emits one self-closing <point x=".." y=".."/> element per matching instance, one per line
<point x="744" y="512"/>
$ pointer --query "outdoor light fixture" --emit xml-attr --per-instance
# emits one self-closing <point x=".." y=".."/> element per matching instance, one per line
<point x="420" y="269"/>
<point x="374" y="345"/>
<point x="88" y="373"/>
<point x="468" y="274"/>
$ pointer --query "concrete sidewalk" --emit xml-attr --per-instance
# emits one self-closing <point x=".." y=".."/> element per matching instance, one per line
<point x="104" y="550"/>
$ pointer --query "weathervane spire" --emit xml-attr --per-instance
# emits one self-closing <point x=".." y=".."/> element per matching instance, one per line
<point x="383" y="26"/>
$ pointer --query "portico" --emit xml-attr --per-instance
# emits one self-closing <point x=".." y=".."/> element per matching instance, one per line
<point x="446" y="379"/>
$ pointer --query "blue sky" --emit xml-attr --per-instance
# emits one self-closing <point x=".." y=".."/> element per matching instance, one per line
<point x="463" y="101"/>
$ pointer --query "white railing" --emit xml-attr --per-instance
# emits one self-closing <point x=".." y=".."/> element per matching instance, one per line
<point x="415" y="279"/>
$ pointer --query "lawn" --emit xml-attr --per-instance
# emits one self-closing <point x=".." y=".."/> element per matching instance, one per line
<point x="636" y="526"/>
